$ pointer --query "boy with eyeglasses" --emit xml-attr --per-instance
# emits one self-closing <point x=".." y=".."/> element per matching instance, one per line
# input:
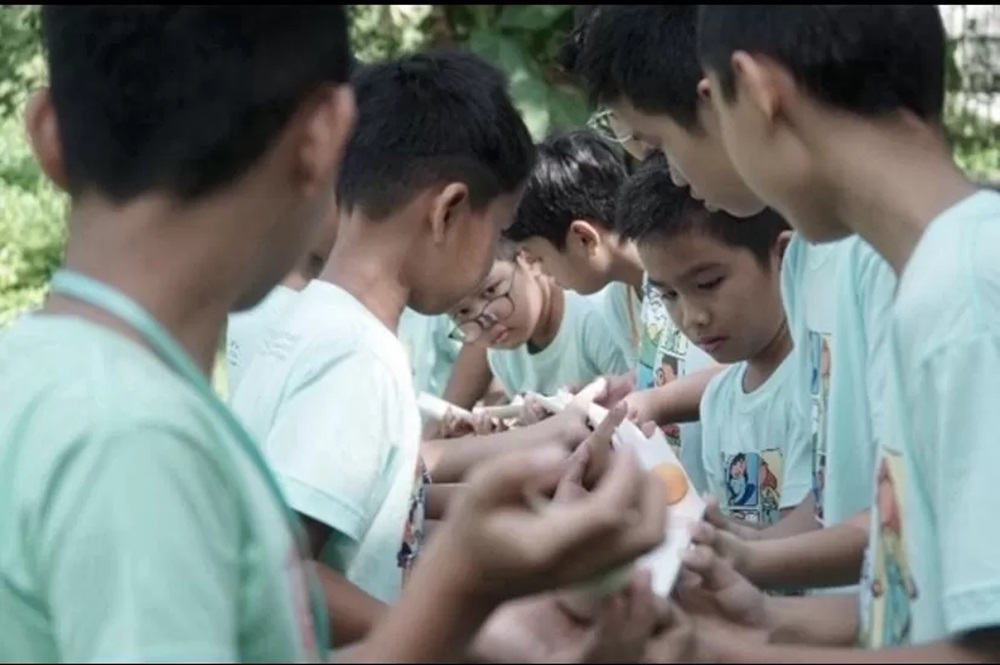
<point x="540" y="337"/>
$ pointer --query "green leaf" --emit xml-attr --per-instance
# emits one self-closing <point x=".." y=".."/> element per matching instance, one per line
<point x="531" y="18"/>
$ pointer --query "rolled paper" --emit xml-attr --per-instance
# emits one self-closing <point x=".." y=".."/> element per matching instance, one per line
<point x="436" y="408"/>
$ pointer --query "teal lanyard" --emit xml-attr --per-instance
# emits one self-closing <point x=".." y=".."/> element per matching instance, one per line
<point x="80" y="287"/>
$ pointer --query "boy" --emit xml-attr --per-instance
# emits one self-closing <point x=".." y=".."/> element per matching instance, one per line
<point x="330" y="394"/>
<point x="720" y="281"/>
<point x="127" y="486"/>
<point x="871" y="158"/>
<point x="641" y="62"/>
<point x="566" y="220"/>
<point x="246" y="330"/>
<point x="539" y="337"/>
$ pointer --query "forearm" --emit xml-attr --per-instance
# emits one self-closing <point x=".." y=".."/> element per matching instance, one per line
<point x="679" y="400"/>
<point x="448" y="460"/>
<point x="470" y="377"/>
<point x="816" y="620"/>
<point x="353" y="612"/>
<point x="434" y="620"/>
<point x="821" y="558"/>
<point x="799" y="520"/>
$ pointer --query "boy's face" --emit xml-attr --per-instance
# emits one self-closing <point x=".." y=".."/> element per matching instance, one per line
<point x="463" y="243"/>
<point x="504" y="311"/>
<point x="697" y="160"/>
<point x="768" y="154"/>
<point x="721" y="297"/>
<point x="581" y="265"/>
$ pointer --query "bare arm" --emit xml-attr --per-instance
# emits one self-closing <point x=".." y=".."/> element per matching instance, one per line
<point x="352" y="611"/>
<point x="470" y="377"/>
<point x="957" y="651"/>
<point x="821" y="558"/>
<point x="438" y="496"/>
<point x="817" y="620"/>
<point x="798" y="520"/>
<point x="677" y="401"/>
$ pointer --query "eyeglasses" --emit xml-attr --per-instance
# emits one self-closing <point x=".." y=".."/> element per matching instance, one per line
<point x="605" y="123"/>
<point x="497" y="306"/>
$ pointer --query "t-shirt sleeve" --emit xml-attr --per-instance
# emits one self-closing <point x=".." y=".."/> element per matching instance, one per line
<point x="797" y="475"/>
<point x="956" y="425"/>
<point x="332" y="441"/>
<point x="877" y="286"/>
<point x="137" y="546"/>
<point x="603" y="351"/>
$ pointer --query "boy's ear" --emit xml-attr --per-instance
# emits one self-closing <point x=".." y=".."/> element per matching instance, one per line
<point x="43" y="133"/>
<point x="784" y="238"/>
<point x="704" y="89"/>
<point x="583" y="237"/>
<point x="448" y="206"/>
<point x="757" y="82"/>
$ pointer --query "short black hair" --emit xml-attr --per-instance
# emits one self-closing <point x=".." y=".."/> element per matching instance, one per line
<point x="651" y="208"/>
<point x="872" y="60"/>
<point x="182" y="99"/>
<point x="643" y="54"/>
<point x="430" y="117"/>
<point x="577" y="176"/>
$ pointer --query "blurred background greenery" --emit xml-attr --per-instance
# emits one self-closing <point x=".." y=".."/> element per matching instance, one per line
<point x="520" y="39"/>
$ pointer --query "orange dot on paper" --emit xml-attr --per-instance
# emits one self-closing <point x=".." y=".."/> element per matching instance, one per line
<point x="675" y="482"/>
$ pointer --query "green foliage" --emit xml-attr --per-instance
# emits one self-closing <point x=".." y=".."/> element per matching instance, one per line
<point x="32" y="229"/>
<point x="21" y="65"/>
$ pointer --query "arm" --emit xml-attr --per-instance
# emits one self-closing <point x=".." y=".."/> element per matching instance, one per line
<point x="798" y="520"/>
<point x="352" y="611"/>
<point x="438" y="498"/>
<point x="820" y="558"/>
<point x="137" y="546"/>
<point x="964" y="651"/>
<point x="817" y="620"/>
<point x="677" y="401"/>
<point x="470" y="377"/>
<point x="448" y="460"/>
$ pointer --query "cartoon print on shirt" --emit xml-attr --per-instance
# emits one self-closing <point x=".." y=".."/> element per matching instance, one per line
<point x="892" y="585"/>
<point x="413" y="529"/>
<point x="751" y="488"/>
<point x="820" y="349"/>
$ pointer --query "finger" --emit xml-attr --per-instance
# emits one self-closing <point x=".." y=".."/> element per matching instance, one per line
<point x="590" y="393"/>
<point x="715" y="573"/>
<point x="648" y="428"/>
<point x="713" y="513"/>
<point x="573" y="388"/>
<point x="703" y="533"/>
<point x="571" y="485"/>
<point x="642" y="610"/>
<point x="509" y="478"/>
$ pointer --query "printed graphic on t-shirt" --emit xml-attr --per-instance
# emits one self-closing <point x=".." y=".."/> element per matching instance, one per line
<point x="888" y="588"/>
<point x="301" y="601"/>
<point x="413" y="530"/>
<point x="662" y="351"/>
<point x="751" y="486"/>
<point x="820" y="348"/>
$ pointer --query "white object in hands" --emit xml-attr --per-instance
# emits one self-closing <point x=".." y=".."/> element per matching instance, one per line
<point x="438" y="409"/>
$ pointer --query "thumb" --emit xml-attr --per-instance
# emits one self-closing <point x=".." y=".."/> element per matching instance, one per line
<point x="512" y="477"/>
<point x="713" y="513"/>
<point x="715" y="573"/>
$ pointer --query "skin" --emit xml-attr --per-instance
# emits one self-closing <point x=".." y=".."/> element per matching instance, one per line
<point x="830" y="174"/>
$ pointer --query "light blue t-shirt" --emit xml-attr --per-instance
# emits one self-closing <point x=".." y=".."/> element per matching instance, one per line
<point x="582" y="350"/>
<point x="330" y="397"/>
<point x="664" y="355"/>
<point x="622" y="308"/>
<point x="431" y="351"/>
<point x="246" y="330"/>
<point x="756" y="447"/>
<point x="933" y="565"/>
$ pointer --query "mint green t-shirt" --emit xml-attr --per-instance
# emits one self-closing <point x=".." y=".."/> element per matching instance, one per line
<point x="432" y="353"/>
<point x="135" y="527"/>
<point x="621" y="306"/>
<point x="582" y="350"/>
<point x="932" y="570"/>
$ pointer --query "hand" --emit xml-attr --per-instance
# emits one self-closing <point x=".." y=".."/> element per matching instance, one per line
<point x="715" y="517"/>
<point x="673" y="641"/>
<point x="722" y="593"/>
<point x="641" y="406"/>
<point x="616" y="388"/>
<point x="501" y="548"/>
<point x="537" y="630"/>
<point x="732" y="549"/>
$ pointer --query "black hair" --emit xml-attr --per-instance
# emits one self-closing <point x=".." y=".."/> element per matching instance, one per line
<point x="651" y="208"/>
<point x="432" y="117"/>
<point x="182" y="99"/>
<point x="577" y="176"/>
<point x="643" y="54"/>
<point x="871" y="60"/>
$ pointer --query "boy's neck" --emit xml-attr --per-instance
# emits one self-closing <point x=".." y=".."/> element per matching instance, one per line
<point x="891" y="178"/>
<point x="763" y="365"/>
<point x="368" y="262"/>
<point x="626" y="266"/>
<point x="551" y="315"/>
<point x="172" y="264"/>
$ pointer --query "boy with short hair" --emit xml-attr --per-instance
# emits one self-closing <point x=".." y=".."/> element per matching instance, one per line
<point x="720" y="280"/>
<point x="567" y="220"/>
<point x="870" y="157"/>
<point x="539" y="338"/>
<point x="640" y="61"/>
